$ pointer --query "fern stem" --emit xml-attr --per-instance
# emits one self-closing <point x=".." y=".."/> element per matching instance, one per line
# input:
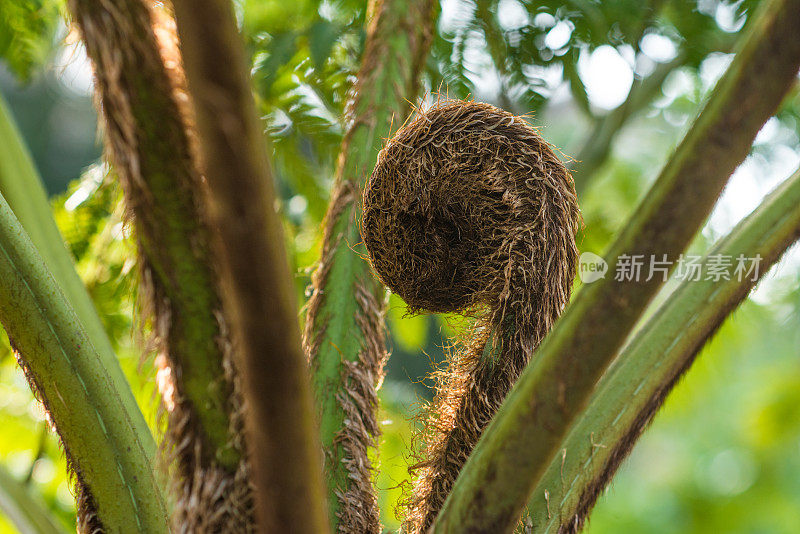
<point x="344" y="338"/>
<point x="110" y="461"/>
<point x="22" y="188"/>
<point x="258" y="294"/>
<point x="133" y="47"/>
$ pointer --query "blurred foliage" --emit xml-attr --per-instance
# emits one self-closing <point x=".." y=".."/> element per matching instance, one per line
<point x="27" y="33"/>
<point x="723" y="456"/>
<point x="47" y="96"/>
<point x="303" y="58"/>
<point x="520" y="43"/>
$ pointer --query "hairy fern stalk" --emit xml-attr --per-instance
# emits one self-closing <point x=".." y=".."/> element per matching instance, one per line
<point x="344" y="334"/>
<point x="149" y="140"/>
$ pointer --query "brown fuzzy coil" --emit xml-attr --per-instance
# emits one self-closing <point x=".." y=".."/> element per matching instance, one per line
<point x="470" y="210"/>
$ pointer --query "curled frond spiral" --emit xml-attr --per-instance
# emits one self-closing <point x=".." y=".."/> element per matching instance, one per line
<point x="469" y="210"/>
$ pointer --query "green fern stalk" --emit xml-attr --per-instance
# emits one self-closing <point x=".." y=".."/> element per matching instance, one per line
<point x="148" y="142"/>
<point x="344" y="328"/>
<point x="22" y="188"/>
<point x="110" y="459"/>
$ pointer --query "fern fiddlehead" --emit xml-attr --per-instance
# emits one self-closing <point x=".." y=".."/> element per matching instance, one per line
<point x="469" y="210"/>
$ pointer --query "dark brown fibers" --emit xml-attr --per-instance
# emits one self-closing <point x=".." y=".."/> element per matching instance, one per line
<point x="469" y="210"/>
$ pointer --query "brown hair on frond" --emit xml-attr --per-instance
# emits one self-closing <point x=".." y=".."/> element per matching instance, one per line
<point x="469" y="210"/>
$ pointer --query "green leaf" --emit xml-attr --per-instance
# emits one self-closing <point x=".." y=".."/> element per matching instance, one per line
<point x="27" y="33"/>
<point x="280" y="50"/>
<point x="576" y="84"/>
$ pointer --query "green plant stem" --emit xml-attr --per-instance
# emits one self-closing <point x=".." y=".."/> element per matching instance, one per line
<point x="344" y="328"/>
<point x="637" y="383"/>
<point x="149" y="146"/>
<point x="257" y="288"/>
<point x="22" y="188"/>
<point x="106" y="452"/>
<point x="24" y="509"/>
<point x="514" y="452"/>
